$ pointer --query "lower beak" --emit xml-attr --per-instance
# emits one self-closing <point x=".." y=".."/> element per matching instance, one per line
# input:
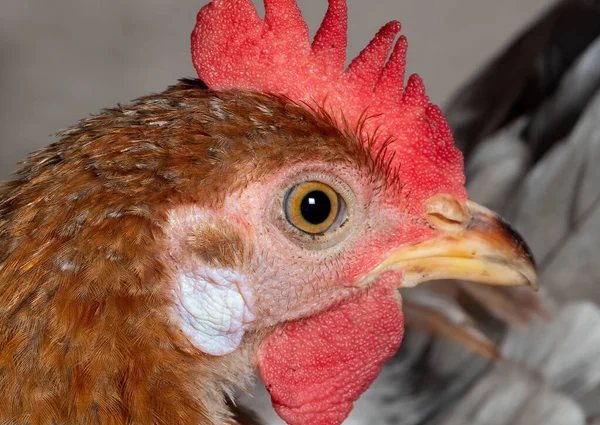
<point x="473" y="244"/>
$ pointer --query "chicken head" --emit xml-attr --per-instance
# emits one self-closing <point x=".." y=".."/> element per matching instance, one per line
<point x="159" y="251"/>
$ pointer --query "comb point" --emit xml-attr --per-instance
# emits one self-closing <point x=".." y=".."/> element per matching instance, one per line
<point x="369" y="64"/>
<point x="391" y="84"/>
<point x="213" y="39"/>
<point x="283" y="18"/>
<point x="415" y="93"/>
<point x="331" y="39"/>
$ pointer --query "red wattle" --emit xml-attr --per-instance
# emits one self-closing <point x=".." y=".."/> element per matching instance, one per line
<point x="316" y="368"/>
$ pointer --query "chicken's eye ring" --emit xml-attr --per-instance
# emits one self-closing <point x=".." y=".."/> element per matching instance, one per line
<point x="314" y="207"/>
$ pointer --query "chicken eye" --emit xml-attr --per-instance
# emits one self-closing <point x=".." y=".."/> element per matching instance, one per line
<point x="313" y="207"/>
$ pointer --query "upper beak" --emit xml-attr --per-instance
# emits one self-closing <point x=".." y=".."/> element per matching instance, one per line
<point x="473" y="244"/>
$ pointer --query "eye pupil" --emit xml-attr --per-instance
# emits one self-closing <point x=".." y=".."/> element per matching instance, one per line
<point x="315" y="207"/>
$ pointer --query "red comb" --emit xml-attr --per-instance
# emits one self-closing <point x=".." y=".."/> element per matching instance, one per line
<point x="232" y="47"/>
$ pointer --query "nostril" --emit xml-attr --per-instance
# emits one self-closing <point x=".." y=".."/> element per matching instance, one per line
<point x="444" y="210"/>
<point x="443" y="218"/>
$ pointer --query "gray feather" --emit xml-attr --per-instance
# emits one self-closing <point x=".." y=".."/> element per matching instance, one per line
<point x="508" y="395"/>
<point x="558" y="212"/>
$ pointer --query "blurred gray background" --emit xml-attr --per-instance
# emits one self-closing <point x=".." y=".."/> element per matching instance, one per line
<point x="61" y="60"/>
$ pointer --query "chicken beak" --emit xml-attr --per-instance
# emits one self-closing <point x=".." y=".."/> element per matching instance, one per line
<point x="472" y="244"/>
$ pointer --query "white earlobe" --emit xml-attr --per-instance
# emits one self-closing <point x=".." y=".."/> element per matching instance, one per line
<point x="213" y="308"/>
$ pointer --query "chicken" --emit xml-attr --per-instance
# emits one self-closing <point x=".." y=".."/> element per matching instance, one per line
<point x="528" y="123"/>
<point x="262" y="217"/>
